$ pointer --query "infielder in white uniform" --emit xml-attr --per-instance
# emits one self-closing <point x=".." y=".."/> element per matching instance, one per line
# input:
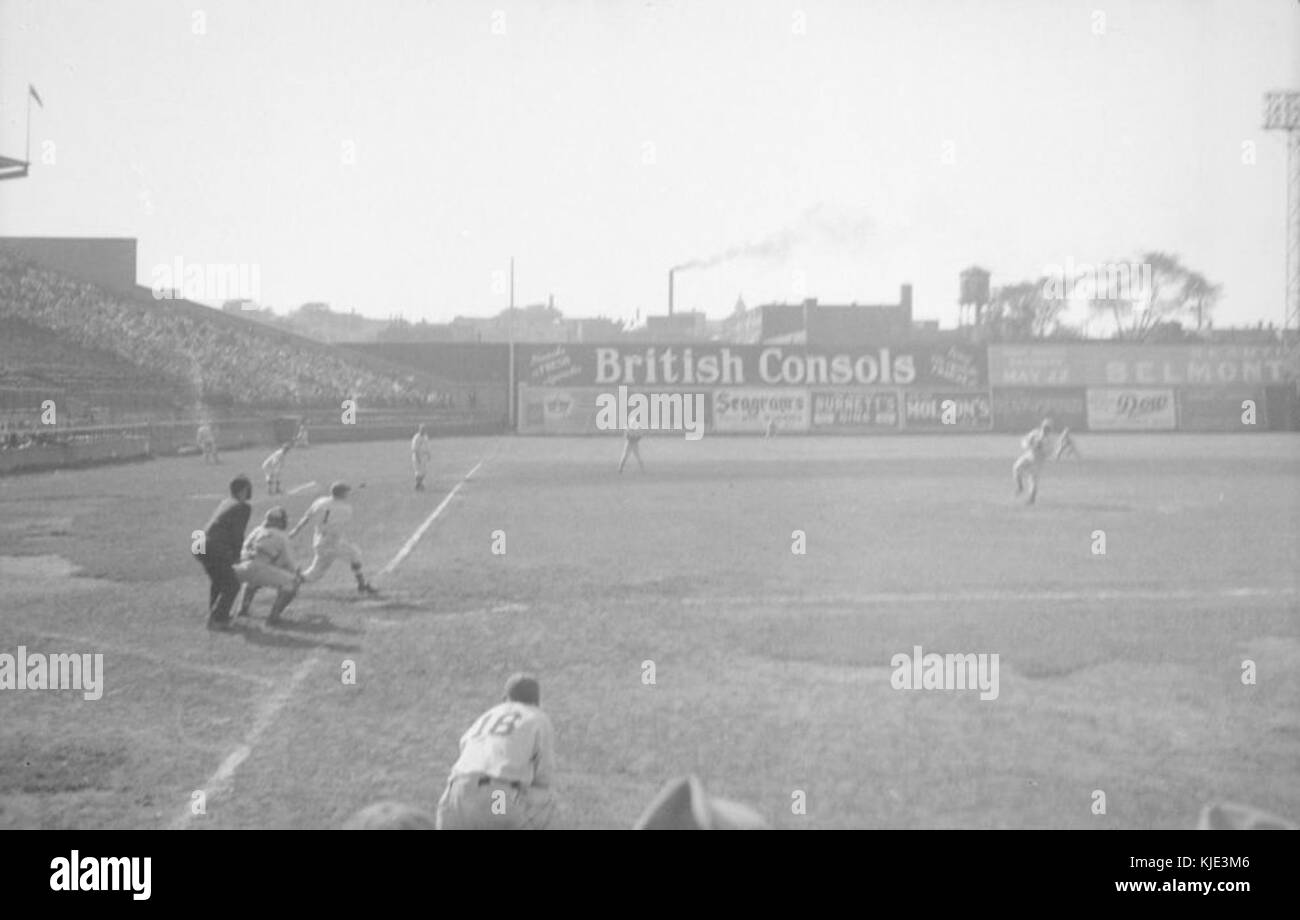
<point x="207" y="442"/>
<point x="421" y="454"/>
<point x="267" y="562"/>
<point x="332" y="513"/>
<point x="1027" y="465"/>
<point x="273" y="466"/>
<point x="502" y="780"/>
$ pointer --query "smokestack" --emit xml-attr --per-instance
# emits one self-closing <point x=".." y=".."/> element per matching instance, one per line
<point x="670" y="291"/>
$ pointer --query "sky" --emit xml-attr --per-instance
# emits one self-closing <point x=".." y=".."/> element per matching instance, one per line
<point x="392" y="156"/>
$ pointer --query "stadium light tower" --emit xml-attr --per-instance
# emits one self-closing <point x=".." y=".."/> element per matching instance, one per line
<point x="11" y="168"/>
<point x="1282" y="113"/>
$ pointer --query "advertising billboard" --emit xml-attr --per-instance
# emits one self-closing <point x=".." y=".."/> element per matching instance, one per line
<point x="947" y="411"/>
<point x="711" y="364"/>
<point x="874" y="410"/>
<point x="1137" y="365"/>
<point x="1239" y="409"/>
<point x="751" y="408"/>
<point x="1123" y="409"/>
<point x="1022" y="408"/>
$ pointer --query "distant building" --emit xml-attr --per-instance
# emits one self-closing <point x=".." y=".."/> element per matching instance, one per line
<point x="676" y="327"/>
<point x="537" y="323"/>
<point x="597" y="329"/>
<point x="818" y="324"/>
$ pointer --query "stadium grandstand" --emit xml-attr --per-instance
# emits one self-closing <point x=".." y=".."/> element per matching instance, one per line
<point x="95" y="340"/>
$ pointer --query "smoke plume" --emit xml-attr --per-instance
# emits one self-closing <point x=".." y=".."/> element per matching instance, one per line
<point x="816" y="226"/>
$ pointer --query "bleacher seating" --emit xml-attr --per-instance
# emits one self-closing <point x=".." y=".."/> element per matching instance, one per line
<point x="190" y="352"/>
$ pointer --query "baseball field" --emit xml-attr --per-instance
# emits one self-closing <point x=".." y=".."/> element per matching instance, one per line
<point x="675" y="630"/>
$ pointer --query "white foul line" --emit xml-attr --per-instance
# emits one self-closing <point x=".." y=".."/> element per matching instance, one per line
<point x="428" y="522"/>
<point x="302" y="488"/>
<point x="266" y="713"/>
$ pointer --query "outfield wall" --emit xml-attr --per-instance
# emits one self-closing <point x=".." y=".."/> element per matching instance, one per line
<point x="745" y="387"/>
<point x="117" y="447"/>
<point x="1105" y="387"/>
<point x="895" y="388"/>
<point x="73" y="447"/>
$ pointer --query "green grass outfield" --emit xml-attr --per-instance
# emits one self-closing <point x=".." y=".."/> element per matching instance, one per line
<point x="1118" y="673"/>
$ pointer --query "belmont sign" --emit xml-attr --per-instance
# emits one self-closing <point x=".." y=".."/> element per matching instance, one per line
<point x="712" y="365"/>
<point x="1137" y="365"/>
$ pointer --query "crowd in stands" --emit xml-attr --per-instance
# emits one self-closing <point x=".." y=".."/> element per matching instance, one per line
<point x="213" y="359"/>
<point x="21" y="434"/>
<point x="15" y="440"/>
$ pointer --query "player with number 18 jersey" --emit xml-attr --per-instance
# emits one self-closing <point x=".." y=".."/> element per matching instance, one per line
<point x="502" y="779"/>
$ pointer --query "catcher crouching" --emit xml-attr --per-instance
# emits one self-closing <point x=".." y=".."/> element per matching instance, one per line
<point x="267" y="562"/>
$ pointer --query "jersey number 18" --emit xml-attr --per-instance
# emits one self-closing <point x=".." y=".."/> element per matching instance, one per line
<point x="504" y="724"/>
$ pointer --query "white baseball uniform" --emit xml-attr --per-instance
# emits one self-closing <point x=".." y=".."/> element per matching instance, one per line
<point x="329" y="543"/>
<point x="503" y="776"/>
<point x="267" y="559"/>
<point x="421" y="454"/>
<point x="206" y="442"/>
<point x="272" y="466"/>
<point x="1028" y="463"/>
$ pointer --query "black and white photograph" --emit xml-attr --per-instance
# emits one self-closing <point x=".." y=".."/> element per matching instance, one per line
<point x="650" y="414"/>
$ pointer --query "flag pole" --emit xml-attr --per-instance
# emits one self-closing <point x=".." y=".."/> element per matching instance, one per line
<point x="28" y="155"/>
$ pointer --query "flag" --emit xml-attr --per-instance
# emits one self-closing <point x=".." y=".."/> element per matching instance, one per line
<point x="31" y="90"/>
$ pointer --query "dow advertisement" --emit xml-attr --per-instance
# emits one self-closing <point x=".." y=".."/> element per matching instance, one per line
<point x="1111" y="409"/>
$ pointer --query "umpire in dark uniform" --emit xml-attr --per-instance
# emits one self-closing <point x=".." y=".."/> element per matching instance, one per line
<point x="223" y="539"/>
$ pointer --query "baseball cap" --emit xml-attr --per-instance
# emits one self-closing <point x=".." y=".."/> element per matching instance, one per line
<point x="277" y="513"/>
<point x="523" y="688"/>
<point x="339" y="489"/>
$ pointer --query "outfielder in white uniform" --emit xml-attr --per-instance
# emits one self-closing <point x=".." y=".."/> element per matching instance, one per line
<point x="1027" y="465"/>
<point x="267" y="562"/>
<point x="421" y="454"/>
<point x="502" y="780"/>
<point x="332" y="513"/>
<point x="273" y="466"/>
<point x="631" y="447"/>
<point x="207" y="442"/>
